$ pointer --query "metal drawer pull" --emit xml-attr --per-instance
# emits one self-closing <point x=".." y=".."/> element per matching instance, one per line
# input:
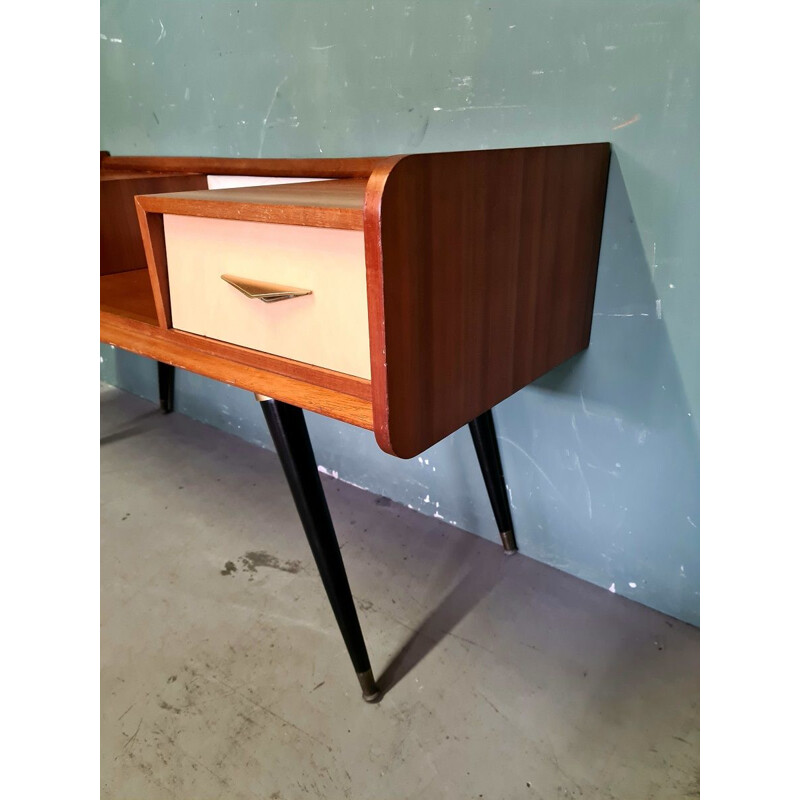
<point x="266" y="292"/>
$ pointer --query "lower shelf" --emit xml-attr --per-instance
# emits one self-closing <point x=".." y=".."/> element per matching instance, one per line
<point x="342" y="397"/>
<point x="128" y="294"/>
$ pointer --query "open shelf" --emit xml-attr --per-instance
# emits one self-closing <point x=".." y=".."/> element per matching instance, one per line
<point x="125" y="287"/>
<point x="128" y="294"/>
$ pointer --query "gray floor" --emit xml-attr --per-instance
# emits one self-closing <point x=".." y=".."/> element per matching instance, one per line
<point x="507" y="679"/>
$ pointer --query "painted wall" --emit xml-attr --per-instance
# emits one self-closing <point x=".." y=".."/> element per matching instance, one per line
<point x="601" y="455"/>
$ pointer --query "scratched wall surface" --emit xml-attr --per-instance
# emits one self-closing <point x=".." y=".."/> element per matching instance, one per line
<point x="601" y="456"/>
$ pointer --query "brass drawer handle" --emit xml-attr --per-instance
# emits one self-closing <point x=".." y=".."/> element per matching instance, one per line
<point x="266" y="292"/>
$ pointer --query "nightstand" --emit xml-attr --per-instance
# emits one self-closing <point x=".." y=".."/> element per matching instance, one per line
<point x="406" y="295"/>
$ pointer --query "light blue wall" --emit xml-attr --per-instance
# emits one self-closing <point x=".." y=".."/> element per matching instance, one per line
<point x="601" y="455"/>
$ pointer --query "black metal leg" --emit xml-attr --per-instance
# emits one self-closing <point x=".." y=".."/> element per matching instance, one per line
<point x="166" y="386"/>
<point x="290" y="435"/>
<point x="485" y="440"/>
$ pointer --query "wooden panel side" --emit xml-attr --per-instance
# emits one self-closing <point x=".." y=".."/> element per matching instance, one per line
<point x="489" y="263"/>
<point x="155" y="249"/>
<point x="120" y="240"/>
<point x="208" y="358"/>
<point x="376" y="311"/>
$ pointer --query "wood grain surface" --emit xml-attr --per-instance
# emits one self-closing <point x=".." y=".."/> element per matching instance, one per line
<point x="320" y="204"/>
<point x="270" y="167"/>
<point x="481" y="271"/>
<point x="321" y="391"/>
<point x="128" y="294"/>
<point x="151" y="227"/>
<point x="120" y="240"/>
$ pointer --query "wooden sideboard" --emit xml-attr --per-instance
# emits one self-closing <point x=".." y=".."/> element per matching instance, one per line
<point x="406" y="295"/>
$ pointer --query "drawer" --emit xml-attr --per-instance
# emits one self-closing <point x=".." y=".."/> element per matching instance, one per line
<point x="327" y="328"/>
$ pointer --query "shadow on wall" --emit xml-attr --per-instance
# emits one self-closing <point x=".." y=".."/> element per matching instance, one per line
<point x="601" y="454"/>
<point x="630" y="367"/>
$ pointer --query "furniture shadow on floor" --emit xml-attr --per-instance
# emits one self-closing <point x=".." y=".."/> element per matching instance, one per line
<point x="137" y="425"/>
<point x="468" y="591"/>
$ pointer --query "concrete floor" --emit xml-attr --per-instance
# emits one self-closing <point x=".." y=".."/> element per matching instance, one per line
<point x="506" y="678"/>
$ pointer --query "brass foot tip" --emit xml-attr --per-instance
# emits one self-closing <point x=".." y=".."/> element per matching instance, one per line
<point x="509" y="542"/>
<point x="372" y="698"/>
<point x="369" y="689"/>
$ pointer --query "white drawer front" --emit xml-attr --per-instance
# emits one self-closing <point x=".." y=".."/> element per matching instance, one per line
<point x="327" y="328"/>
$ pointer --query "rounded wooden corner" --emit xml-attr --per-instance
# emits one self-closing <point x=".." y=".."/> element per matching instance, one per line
<point x="460" y="236"/>
<point x="376" y="184"/>
<point x="385" y="444"/>
<point x="373" y="197"/>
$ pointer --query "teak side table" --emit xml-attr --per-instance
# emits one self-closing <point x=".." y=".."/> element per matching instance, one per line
<point x="407" y="295"/>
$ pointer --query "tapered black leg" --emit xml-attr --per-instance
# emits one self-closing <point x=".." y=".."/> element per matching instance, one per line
<point x="166" y="386"/>
<point x="290" y="435"/>
<point x="485" y="440"/>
